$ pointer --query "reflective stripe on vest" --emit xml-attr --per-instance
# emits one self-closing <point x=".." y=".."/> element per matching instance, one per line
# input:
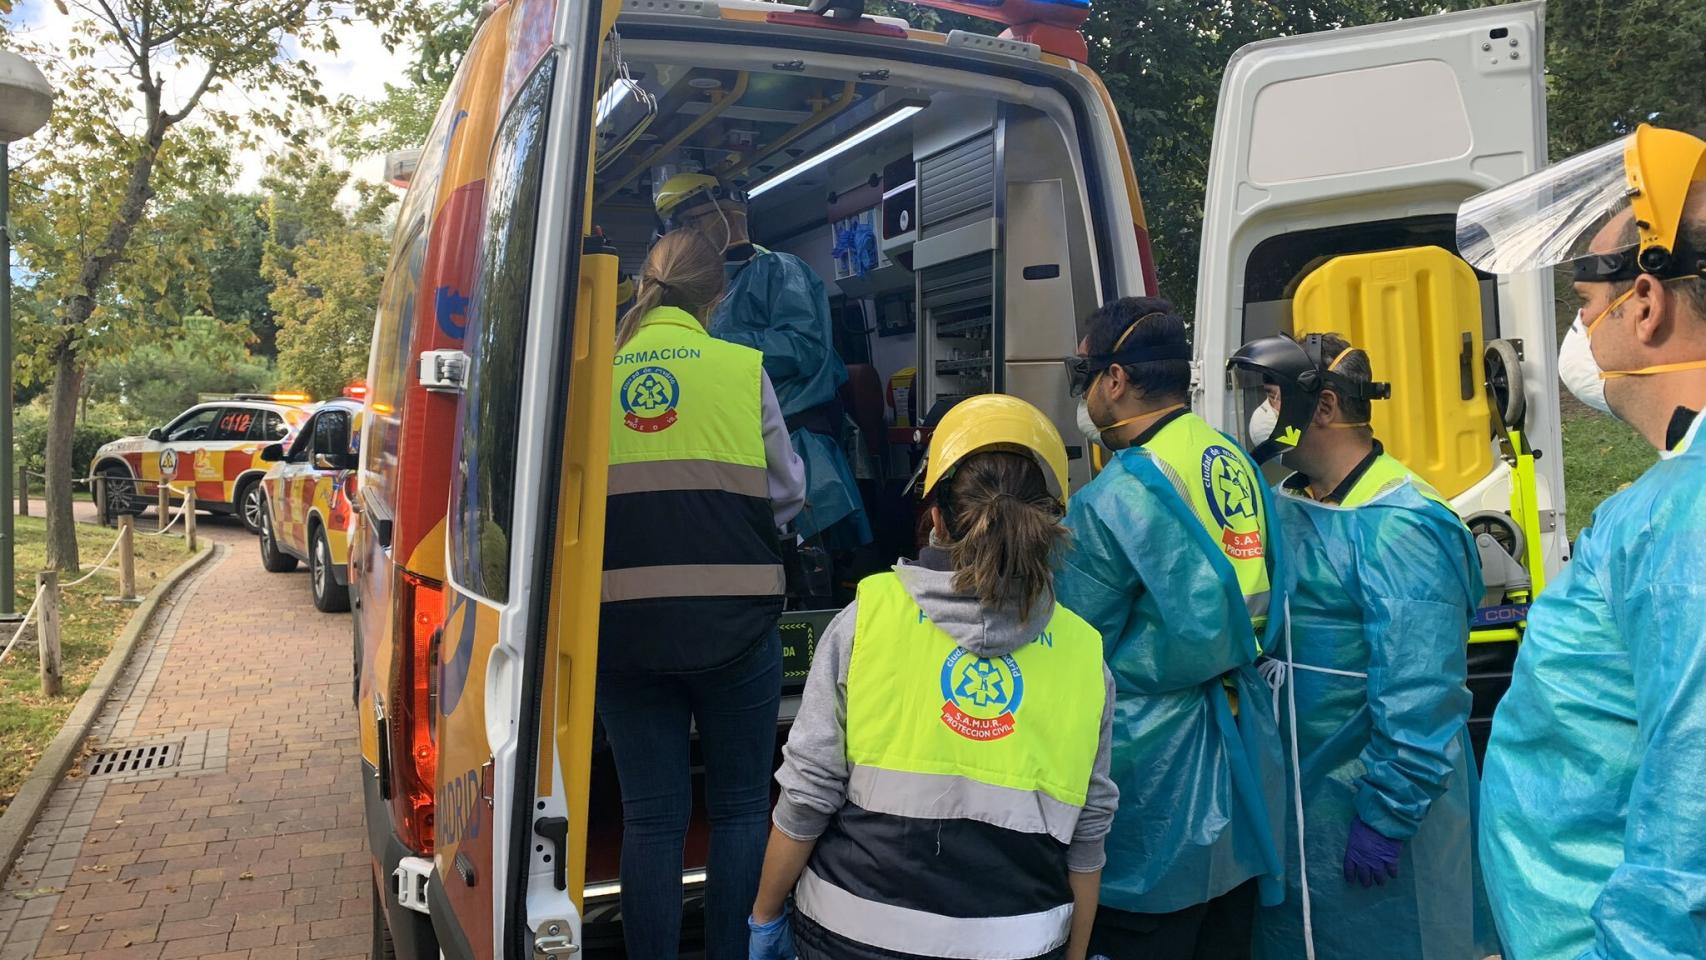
<point x="1387" y="473"/>
<point x="690" y="541"/>
<point x="983" y="762"/>
<point x="1218" y="482"/>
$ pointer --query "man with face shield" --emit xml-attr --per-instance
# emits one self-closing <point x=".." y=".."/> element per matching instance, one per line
<point x="1593" y="830"/>
<point x="1171" y="559"/>
<point x="1370" y="677"/>
<point x="777" y="305"/>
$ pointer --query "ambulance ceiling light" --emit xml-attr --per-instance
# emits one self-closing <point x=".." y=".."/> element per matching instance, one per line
<point x="896" y="115"/>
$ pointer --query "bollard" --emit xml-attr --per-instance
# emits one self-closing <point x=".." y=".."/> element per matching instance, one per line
<point x="47" y="630"/>
<point x="100" y="484"/>
<point x="127" y="557"/>
<point x="164" y="507"/>
<point x="189" y="518"/>
<point x="23" y="491"/>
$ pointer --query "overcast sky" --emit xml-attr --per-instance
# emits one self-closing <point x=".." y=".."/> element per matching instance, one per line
<point x="358" y="69"/>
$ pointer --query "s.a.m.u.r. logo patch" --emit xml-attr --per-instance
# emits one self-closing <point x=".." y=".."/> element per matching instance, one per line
<point x="1234" y="501"/>
<point x="649" y="396"/>
<point x="980" y="696"/>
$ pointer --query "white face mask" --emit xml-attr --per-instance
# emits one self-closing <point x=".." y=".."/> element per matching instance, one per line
<point x="1086" y="426"/>
<point x="1579" y="370"/>
<point x="1263" y="421"/>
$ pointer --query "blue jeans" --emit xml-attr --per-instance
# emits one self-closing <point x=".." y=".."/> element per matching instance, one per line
<point x="647" y="720"/>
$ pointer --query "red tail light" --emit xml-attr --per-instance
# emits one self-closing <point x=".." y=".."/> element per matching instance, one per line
<point x="420" y="607"/>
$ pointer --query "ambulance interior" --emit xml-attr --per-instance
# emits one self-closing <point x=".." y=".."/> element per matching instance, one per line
<point x="951" y="228"/>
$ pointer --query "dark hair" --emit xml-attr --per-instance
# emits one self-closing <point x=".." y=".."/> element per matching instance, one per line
<point x="1353" y="366"/>
<point x="1690" y="234"/>
<point x="1157" y="324"/>
<point x="1005" y="530"/>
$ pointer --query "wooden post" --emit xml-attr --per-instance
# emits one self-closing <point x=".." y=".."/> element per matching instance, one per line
<point x="23" y="491"/>
<point x="100" y="483"/>
<point x="127" y="557"/>
<point x="189" y="518"/>
<point x="164" y="507"/>
<point x="47" y="630"/>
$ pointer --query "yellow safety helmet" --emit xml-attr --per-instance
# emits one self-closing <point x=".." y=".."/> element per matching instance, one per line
<point x="999" y="422"/>
<point x="686" y="191"/>
<point x="1551" y="217"/>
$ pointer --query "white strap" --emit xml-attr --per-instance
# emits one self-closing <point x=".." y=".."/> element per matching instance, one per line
<point x="1277" y="673"/>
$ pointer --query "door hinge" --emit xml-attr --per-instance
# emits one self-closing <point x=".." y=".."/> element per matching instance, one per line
<point x="411" y="879"/>
<point x="444" y="371"/>
<point x="555" y="939"/>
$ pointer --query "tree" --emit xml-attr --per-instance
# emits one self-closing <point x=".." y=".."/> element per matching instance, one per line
<point x="160" y="379"/>
<point x="118" y="134"/>
<point x="326" y="265"/>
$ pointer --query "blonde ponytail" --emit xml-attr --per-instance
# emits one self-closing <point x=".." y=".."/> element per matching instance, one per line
<point x="1005" y="530"/>
<point x="683" y="270"/>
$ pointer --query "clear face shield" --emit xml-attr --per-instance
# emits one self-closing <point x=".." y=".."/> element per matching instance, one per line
<point x="1270" y="422"/>
<point x="1611" y="213"/>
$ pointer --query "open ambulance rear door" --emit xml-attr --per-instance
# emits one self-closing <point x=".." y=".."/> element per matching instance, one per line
<point x="1360" y="141"/>
<point x="517" y="653"/>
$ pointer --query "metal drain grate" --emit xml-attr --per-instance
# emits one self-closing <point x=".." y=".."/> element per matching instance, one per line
<point x="142" y="758"/>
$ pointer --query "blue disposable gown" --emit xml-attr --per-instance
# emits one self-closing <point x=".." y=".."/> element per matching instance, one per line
<point x="1385" y="588"/>
<point x="1199" y="789"/>
<point x="1594" y="815"/>
<point x="777" y="305"/>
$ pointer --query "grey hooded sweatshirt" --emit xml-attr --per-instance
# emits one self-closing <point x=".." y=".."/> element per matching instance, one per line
<point x="814" y="770"/>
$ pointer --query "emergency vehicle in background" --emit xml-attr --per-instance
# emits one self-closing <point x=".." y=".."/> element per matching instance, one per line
<point x="212" y="446"/>
<point x="305" y="501"/>
<point x="1338" y="164"/>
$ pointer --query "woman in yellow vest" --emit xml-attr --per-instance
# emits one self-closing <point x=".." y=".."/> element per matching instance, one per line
<point x="945" y="788"/>
<point x="701" y="478"/>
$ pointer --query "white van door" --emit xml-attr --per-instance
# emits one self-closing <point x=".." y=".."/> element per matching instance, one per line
<point x="1366" y="139"/>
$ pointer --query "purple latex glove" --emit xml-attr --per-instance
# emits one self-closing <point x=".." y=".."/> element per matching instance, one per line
<point x="1370" y="857"/>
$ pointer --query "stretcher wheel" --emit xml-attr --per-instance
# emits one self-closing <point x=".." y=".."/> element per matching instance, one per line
<point x="1504" y="382"/>
<point x="1501" y="528"/>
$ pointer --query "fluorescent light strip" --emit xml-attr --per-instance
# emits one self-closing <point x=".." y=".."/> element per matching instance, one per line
<point x="834" y="150"/>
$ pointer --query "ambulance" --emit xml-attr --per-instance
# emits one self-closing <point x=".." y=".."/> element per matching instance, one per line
<point x="212" y="447"/>
<point x="968" y="199"/>
<point x="305" y="501"/>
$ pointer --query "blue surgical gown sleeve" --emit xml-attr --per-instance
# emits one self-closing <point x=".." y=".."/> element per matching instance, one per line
<point x="1654" y="905"/>
<point x="1138" y="552"/>
<point x="1417" y="604"/>
<point x="785" y="316"/>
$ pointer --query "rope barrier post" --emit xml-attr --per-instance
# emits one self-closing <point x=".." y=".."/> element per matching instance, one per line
<point x="47" y="631"/>
<point x="189" y="518"/>
<point x="100" y="483"/>
<point x="127" y="557"/>
<point x="23" y="491"/>
<point x="164" y="507"/>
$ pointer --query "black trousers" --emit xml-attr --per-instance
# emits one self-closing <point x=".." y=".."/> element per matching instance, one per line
<point x="1217" y="930"/>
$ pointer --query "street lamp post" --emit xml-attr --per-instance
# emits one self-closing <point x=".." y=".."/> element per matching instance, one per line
<point x="25" y="103"/>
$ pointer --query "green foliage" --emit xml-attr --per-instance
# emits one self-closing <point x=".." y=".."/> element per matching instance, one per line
<point x="326" y="265"/>
<point x="160" y="379"/>
<point x="400" y="119"/>
<point x="444" y="38"/>
<point x="104" y="423"/>
<point x="1602" y="455"/>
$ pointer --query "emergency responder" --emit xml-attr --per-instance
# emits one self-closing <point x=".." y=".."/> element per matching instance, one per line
<point x="1369" y="678"/>
<point x="777" y="305"/>
<point x="1172" y="560"/>
<point x="701" y="478"/>
<point x="945" y="787"/>
<point x="1593" y="832"/>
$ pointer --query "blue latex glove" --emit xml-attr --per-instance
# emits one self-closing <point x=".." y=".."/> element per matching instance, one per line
<point x="1369" y="857"/>
<point x="771" y="941"/>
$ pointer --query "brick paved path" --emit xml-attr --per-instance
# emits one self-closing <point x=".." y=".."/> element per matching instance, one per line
<point x="252" y="847"/>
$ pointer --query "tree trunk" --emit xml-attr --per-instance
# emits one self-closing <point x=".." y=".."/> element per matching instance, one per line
<point x="61" y="425"/>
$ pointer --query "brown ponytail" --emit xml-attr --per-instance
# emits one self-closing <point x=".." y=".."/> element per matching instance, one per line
<point x="1005" y="529"/>
<point x="684" y="270"/>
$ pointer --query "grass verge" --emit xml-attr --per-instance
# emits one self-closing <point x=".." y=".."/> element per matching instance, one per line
<point x="89" y="625"/>
<point x="1602" y="455"/>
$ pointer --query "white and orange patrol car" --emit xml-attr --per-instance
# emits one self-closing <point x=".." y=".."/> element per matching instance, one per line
<point x="305" y="502"/>
<point x="212" y="446"/>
